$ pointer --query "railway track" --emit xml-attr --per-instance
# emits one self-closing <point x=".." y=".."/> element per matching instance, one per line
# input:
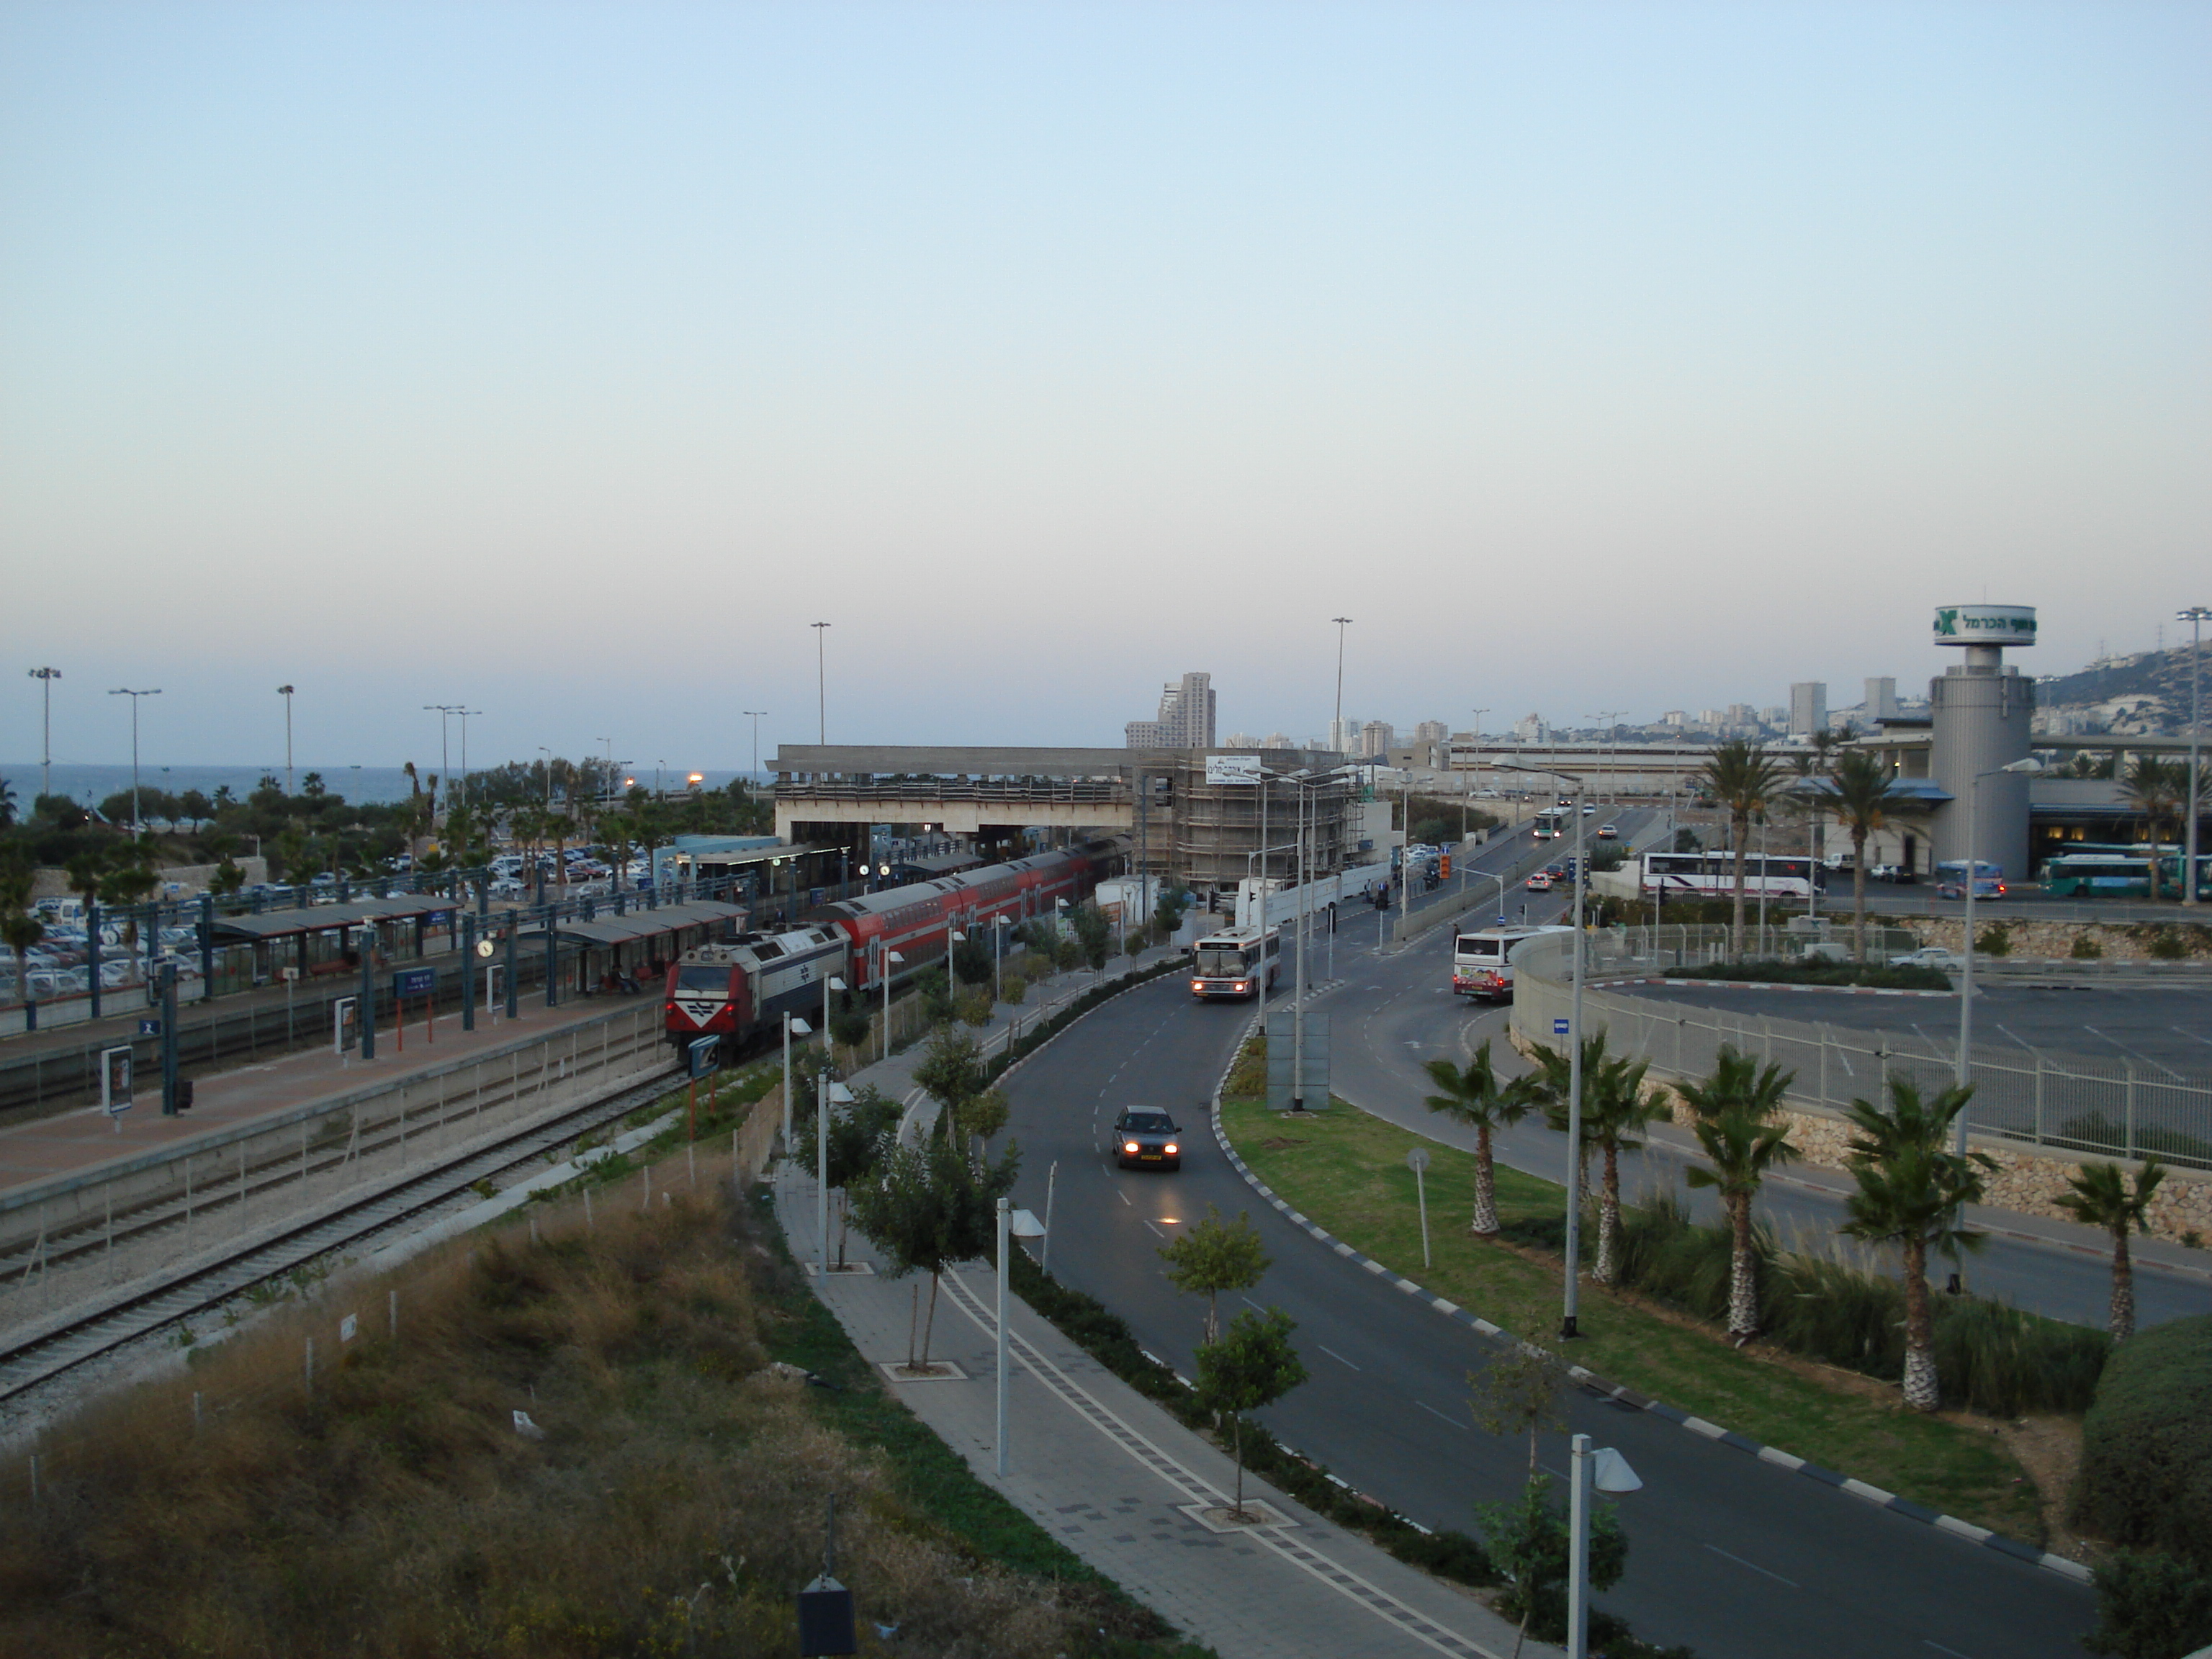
<point x="30" y="1362"/>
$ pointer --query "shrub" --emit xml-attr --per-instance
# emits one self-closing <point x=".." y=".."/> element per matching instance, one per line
<point x="2086" y="948"/>
<point x="1995" y="940"/>
<point x="2150" y="1606"/>
<point x="2167" y="945"/>
<point x="2093" y="1131"/>
<point x="1821" y="973"/>
<point x="2146" y="1477"/>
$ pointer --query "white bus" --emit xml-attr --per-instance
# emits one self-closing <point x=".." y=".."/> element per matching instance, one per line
<point x="1232" y="962"/>
<point x="1712" y="875"/>
<point x="1552" y="822"/>
<point x="1482" y="961"/>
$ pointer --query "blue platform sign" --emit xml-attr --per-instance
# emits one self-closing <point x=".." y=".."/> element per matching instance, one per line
<point x="415" y="982"/>
<point x="1559" y="1028"/>
<point x="149" y="1028"/>
<point x="706" y="1053"/>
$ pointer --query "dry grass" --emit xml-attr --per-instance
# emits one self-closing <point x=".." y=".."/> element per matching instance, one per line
<point x="674" y="1506"/>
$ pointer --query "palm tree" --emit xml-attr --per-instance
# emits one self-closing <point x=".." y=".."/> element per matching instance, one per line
<point x="1911" y="1193"/>
<point x="1734" y="1122"/>
<point x="1743" y="779"/>
<point x="20" y="926"/>
<point x="1615" y="1111"/>
<point x="1861" y="794"/>
<point x="2154" y="789"/>
<point x="1477" y="1097"/>
<point x="2101" y="1198"/>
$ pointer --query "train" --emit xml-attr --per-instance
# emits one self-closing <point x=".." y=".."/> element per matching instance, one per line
<point x="740" y="989"/>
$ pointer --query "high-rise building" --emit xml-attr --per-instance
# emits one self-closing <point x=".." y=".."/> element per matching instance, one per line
<point x="1186" y="717"/>
<point x="1881" y="699"/>
<point x="1675" y="717"/>
<point x="1376" y="739"/>
<point x="1530" y="728"/>
<point x="1344" y="736"/>
<point x="1432" y="732"/>
<point x="1809" y="708"/>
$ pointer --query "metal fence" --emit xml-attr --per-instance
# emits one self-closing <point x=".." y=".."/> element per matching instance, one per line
<point x="64" y="1240"/>
<point x="2072" y="1102"/>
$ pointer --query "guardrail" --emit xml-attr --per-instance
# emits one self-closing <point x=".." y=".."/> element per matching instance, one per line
<point x="2072" y="1102"/>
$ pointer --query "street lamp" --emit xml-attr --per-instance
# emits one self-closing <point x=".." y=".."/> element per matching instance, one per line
<point x="1570" y="1310"/>
<point x="1013" y="1224"/>
<point x="1336" y="726"/>
<point x="2197" y="616"/>
<point x="792" y="1026"/>
<point x="136" y="829"/>
<point x="754" y="714"/>
<point x="1964" y="1067"/>
<point x="890" y="958"/>
<point x="1000" y="923"/>
<point x="1608" y="1471"/>
<point x="445" y="712"/>
<point x="285" y="692"/>
<point x="47" y="767"/>
<point x="821" y="684"/>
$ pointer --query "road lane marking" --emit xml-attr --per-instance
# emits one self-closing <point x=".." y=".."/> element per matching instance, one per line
<point x="1754" y="1566"/>
<point x="1433" y="1411"/>
<point x="1156" y="1233"/>
<point x="2136" y="1054"/>
<point x="1123" y="1196"/>
<point x="1940" y="1647"/>
<point x="1334" y="1355"/>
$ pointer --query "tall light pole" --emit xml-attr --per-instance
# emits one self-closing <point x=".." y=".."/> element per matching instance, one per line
<point x="47" y="767"/>
<point x="1336" y="726"/>
<point x="1962" y="1068"/>
<point x="465" y="713"/>
<point x="285" y="692"/>
<point x="1608" y="716"/>
<point x="548" y="753"/>
<point x="445" y="712"/>
<point x="754" y="714"/>
<point x="137" y="815"/>
<point x="2197" y="616"/>
<point x="821" y="683"/>
<point x="1570" y="1311"/>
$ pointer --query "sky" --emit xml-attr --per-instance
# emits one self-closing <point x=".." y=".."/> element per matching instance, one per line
<point x="567" y="362"/>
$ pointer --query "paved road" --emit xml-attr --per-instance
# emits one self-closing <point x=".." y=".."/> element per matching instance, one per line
<point x="2162" y="1027"/>
<point x="1741" y="1559"/>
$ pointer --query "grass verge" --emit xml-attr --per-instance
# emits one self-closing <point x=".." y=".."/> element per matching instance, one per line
<point x="1347" y="1171"/>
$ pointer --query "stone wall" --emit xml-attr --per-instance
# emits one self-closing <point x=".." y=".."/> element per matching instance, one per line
<point x="2027" y="1179"/>
<point x="189" y="879"/>
<point x="2054" y="940"/>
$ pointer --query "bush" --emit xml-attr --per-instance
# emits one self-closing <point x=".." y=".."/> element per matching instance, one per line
<point x="1821" y="973"/>
<point x="2167" y="945"/>
<point x="1995" y="940"/>
<point x="2150" y="1606"/>
<point x="2086" y="948"/>
<point x="2096" y="1133"/>
<point x="1992" y="1358"/>
<point x="2146" y="1477"/>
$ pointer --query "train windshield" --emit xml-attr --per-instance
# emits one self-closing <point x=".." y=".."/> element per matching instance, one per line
<point x="703" y="979"/>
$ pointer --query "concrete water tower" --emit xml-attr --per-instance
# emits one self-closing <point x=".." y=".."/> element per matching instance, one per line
<point x="1984" y="713"/>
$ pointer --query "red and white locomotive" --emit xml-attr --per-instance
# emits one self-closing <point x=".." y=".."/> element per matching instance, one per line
<point x="737" y="989"/>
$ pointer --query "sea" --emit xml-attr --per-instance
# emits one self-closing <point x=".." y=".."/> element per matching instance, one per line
<point x="372" y="786"/>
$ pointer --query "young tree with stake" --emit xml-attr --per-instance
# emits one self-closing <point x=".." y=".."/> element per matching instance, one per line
<point x="1215" y="1257"/>
<point x="1252" y="1366"/>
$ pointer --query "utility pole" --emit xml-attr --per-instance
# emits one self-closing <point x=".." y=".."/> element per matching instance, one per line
<point x="47" y="767"/>
<point x="137" y="816"/>
<point x="1336" y="726"/>
<point x="285" y="692"/>
<point x="444" y="711"/>
<point x="821" y="684"/>
<point x="2197" y="616"/>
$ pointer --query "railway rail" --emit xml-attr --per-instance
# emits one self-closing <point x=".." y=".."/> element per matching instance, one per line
<point x="31" y="1359"/>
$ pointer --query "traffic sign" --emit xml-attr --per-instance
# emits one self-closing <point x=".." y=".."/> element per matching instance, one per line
<point x="706" y="1053"/>
<point x="1559" y="1028"/>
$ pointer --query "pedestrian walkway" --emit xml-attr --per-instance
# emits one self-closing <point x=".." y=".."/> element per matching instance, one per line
<point x="1134" y="1493"/>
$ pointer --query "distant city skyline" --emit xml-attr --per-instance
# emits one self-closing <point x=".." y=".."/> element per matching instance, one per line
<point x="567" y="363"/>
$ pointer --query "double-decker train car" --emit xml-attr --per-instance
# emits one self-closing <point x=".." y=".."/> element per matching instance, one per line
<point x="739" y="988"/>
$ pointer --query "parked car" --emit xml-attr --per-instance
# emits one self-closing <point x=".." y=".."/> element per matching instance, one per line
<point x="1930" y="955"/>
<point x="1895" y="872"/>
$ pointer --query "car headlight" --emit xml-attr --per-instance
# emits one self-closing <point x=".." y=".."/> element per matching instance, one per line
<point x="1128" y="1146"/>
<point x="1170" y="1149"/>
<point x="1198" y="985"/>
<point x="1243" y="985"/>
